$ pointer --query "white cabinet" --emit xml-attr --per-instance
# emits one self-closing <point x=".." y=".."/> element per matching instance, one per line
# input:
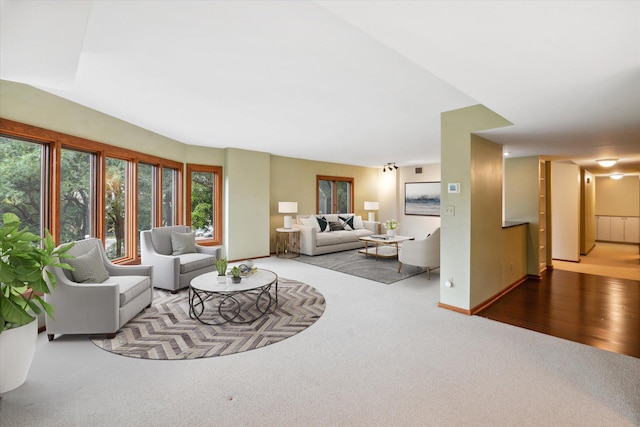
<point x="624" y="229"/>
<point x="603" y="228"/>
<point x="632" y="229"/>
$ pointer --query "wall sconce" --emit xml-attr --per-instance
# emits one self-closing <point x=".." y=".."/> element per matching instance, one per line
<point x="607" y="163"/>
<point x="287" y="207"/>
<point x="371" y="206"/>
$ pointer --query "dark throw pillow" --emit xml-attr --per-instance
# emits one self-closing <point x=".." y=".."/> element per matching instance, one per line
<point x="323" y="223"/>
<point x="335" y="226"/>
<point x="347" y="222"/>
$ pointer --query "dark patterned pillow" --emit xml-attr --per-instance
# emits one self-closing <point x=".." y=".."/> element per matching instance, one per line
<point x="335" y="226"/>
<point x="323" y="223"/>
<point x="347" y="222"/>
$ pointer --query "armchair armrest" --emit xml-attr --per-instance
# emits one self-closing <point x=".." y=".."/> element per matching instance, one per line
<point x="210" y="250"/>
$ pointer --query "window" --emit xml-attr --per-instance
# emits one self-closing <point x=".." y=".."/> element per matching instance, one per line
<point x="23" y="182"/>
<point x="335" y="194"/>
<point x="204" y="202"/>
<point x="77" y="195"/>
<point x="79" y="188"/>
<point x="169" y="196"/>
<point x="115" y="206"/>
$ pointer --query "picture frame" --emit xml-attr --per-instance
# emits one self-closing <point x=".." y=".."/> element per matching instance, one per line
<point x="422" y="198"/>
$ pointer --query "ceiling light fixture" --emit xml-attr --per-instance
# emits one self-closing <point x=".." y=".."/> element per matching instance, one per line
<point x="616" y="176"/>
<point x="607" y="163"/>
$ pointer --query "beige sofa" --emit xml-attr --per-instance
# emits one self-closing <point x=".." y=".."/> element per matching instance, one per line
<point x="317" y="236"/>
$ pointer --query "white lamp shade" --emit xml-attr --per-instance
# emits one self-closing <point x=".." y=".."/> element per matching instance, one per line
<point x="371" y="206"/>
<point x="287" y="207"/>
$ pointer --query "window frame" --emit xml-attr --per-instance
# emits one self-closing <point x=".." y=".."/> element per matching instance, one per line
<point x="335" y="180"/>
<point x="54" y="142"/>
<point x="216" y="239"/>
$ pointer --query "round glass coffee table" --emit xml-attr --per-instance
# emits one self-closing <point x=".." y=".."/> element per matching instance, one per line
<point x="242" y="302"/>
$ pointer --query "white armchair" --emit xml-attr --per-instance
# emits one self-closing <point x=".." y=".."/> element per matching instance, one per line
<point x="421" y="253"/>
<point x="98" y="297"/>
<point x="175" y="257"/>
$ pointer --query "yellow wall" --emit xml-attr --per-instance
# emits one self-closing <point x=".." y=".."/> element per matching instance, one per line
<point x="294" y="180"/>
<point x="618" y="197"/>
<point x="476" y="164"/>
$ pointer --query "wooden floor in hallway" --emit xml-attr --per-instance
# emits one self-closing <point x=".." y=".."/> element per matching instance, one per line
<point x="599" y="311"/>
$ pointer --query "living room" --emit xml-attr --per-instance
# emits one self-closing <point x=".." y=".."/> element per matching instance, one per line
<point x="379" y="355"/>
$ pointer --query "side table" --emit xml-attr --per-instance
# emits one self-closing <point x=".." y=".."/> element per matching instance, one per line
<point x="287" y="242"/>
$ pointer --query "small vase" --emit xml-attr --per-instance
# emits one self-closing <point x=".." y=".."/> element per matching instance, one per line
<point x="222" y="279"/>
<point x="391" y="233"/>
<point x="236" y="279"/>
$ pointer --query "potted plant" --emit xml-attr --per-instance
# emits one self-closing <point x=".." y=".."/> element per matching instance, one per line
<point x="235" y="273"/>
<point x="221" y="266"/>
<point x="22" y="284"/>
<point x="391" y="226"/>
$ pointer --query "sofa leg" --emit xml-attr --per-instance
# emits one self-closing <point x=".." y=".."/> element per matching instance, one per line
<point x="50" y="337"/>
<point x="399" y="266"/>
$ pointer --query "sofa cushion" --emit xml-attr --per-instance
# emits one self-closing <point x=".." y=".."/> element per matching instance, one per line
<point x="357" y="223"/>
<point x="335" y="226"/>
<point x="347" y="222"/>
<point x="195" y="261"/>
<point x="183" y="243"/>
<point x="310" y="221"/>
<point x="161" y="238"/>
<point x="88" y="267"/>
<point x="323" y="223"/>
<point x="130" y="287"/>
<point x="327" y="239"/>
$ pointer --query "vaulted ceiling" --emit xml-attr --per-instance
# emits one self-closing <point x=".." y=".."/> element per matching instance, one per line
<point x="356" y="82"/>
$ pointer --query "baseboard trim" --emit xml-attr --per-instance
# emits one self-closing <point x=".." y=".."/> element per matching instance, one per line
<point x="454" y="308"/>
<point x="486" y="303"/>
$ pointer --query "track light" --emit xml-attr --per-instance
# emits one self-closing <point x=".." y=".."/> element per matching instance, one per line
<point x="390" y="166"/>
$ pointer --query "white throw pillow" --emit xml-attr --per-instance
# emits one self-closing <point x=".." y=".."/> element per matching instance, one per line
<point x="310" y="221"/>
<point x="357" y="223"/>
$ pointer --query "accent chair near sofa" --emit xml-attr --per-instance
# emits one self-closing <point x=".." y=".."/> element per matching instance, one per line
<point x="421" y="253"/>
<point x="98" y="297"/>
<point x="175" y="256"/>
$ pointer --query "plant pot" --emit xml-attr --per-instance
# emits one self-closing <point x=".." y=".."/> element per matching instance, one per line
<point x="17" y="347"/>
<point x="222" y="279"/>
<point x="391" y="233"/>
<point x="236" y="279"/>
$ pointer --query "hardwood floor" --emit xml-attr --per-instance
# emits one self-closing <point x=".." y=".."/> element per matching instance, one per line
<point x="599" y="311"/>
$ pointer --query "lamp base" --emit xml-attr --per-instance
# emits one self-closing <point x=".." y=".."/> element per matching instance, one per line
<point x="372" y="216"/>
<point x="287" y="221"/>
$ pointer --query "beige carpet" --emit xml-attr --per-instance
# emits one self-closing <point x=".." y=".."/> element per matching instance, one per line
<point x="607" y="259"/>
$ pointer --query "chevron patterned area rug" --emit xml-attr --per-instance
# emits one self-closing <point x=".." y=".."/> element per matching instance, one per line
<point x="166" y="332"/>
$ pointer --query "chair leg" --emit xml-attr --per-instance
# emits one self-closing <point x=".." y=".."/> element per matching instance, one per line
<point x="109" y="336"/>
<point x="50" y="337"/>
<point x="399" y="266"/>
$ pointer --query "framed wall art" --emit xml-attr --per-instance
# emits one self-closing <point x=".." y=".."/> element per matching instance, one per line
<point x="422" y="198"/>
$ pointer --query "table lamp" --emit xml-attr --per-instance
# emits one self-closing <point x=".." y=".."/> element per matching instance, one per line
<point x="287" y="207"/>
<point x="371" y="206"/>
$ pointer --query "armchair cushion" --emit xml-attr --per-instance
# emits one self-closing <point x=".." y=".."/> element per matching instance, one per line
<point x="183" y="243"/>
<point x="193" y="262"/>
<point x="129" y="287"/>
<point x="88" y="267"/>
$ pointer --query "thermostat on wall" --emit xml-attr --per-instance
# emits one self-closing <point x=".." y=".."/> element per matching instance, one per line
<point x="453" y="187"/>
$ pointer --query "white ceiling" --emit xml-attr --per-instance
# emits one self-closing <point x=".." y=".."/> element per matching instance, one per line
<point x="360" y="82"/>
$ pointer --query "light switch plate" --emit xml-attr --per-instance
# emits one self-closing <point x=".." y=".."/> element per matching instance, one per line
<point x="448" y="210"/>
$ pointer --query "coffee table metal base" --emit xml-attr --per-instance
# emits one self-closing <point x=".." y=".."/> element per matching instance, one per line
<point x="233" y="306"/>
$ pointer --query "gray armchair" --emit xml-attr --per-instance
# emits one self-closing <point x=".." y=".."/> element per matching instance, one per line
<point x="175" y="257"/>
<point x="98" y="297"/>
